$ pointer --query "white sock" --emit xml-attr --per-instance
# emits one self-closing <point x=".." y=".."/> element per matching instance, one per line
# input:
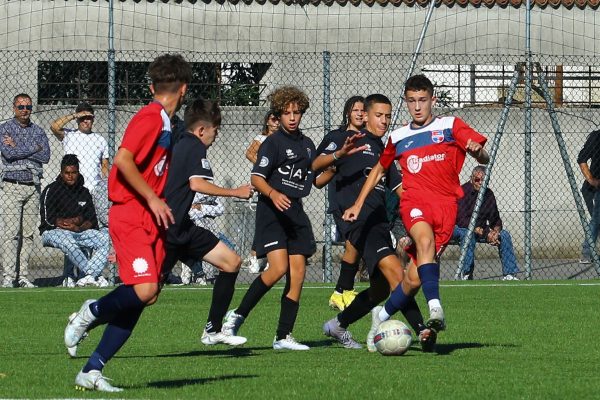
<point x="383" y="315"/>
<point x="433" y="303"/>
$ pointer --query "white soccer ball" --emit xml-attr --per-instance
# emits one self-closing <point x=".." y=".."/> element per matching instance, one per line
<point x="393" y="338"/>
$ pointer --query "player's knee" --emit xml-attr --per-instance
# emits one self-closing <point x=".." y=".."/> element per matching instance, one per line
<point x="147" y="293"/>
<point x="232" y="263"/>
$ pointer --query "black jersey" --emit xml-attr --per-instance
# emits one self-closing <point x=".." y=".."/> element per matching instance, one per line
<point x="352" y="172"/>
<point x="188" y="160"/>
<point x="328" y="145"/>
<point x="284" y="161"/>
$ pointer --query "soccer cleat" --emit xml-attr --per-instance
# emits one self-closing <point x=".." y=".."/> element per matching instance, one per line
<point x="232" y="323"/>
<point x="102" y="282"/>
<point x="333" y="329"/>
<point x="212" y="338"/>
<point x="427" y="338"/>
<point x="375" y="322"/>
<point x="288" y="343"/>
<point x="509" y="277"/>
<point x="436" y="319"/>
<point x="94" y="380"/>
<point x="585" y="260"/>
<point x="79" y="323"/>
<point x="336" y="301"/>
<point x="26" y="283"/>
<point x="87" y="280"/>
<point x="348" y="297"/>
<point x="73" y="349"/>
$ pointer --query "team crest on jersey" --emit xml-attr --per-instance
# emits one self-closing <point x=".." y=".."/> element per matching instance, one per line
<point x="82" y="203"/>
<point x="205" y="163"/>
<point x="331" y="146"/>
<point x="437" y="136"/>
<point x="264" y="161"/>
<point x="413" y="163"/>
<point x="290" y="154"/>
<point x="161" y="166"/>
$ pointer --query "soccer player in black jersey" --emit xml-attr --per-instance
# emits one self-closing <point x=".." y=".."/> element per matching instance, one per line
<point x="353" y="121"/>
<point x="354" y="156"/>
<point x="282" y="175"/>
<point x="190" y="172"/>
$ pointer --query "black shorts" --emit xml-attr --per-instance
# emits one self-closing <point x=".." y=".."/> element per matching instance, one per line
<point x="342" y="226"/>
<point x="198" y="243"/>
<point x="289" y="230"/>
<point x="371" y="238"/>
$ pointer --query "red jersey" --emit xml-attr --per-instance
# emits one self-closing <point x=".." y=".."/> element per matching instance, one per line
<point x="431" y="156"/>
<point x="148" y="137"/>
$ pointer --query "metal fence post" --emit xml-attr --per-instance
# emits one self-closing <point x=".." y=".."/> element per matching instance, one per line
<point x="327" y="253"/>
<point x="112" y="119"/>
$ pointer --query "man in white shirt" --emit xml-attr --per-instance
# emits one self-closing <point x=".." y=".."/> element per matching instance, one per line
<point x="91" y="148"/>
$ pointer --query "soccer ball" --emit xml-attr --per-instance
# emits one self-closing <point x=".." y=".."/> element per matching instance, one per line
<point x="393" y="338"/>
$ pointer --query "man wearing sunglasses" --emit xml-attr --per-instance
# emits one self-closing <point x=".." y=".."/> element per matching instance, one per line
<point x="90" y="148"/>
<point x="24" y="149"/>
<point x="488" y="227"/>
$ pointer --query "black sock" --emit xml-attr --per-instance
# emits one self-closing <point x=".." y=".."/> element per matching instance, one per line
<point x="287" y="317"/>
<point x="120" y="299"/>
<point x="361" y="306"/>
<point x="255" y="292"/>
<point x="413" y="315"/>
<point x="221" y="298"/>
<point x="346" y="278"/>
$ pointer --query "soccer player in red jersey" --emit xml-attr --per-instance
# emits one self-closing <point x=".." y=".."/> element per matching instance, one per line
<point x="139" y="217"/>
<point x="430" y="151"/>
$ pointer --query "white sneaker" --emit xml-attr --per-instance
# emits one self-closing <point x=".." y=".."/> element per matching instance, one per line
<point x="87" y="280"/>
<point x="78" y="324"/>
<point x="212" y="338"/>
<point x="509" y="277"/>
<point x="26" y="283"/>
<point x="436" y="319"/>
<point x="68" y="282"/>
<point x="288" y="343"/>
<point x="102" y="281"/>
<point x="201" y="281"/>
<point x="94" y="380"/>
<point x="253" y="265"/>
<point x="232" y="323"/>
<point x="8" y="283"/>
<point x="375" y="322"/>
<point x="186" y="274"/>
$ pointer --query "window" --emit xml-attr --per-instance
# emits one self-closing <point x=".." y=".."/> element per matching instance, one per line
<point x="70" y="82"/>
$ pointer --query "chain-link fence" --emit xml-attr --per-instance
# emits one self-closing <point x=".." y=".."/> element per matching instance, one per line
<point x="471" y="87"/>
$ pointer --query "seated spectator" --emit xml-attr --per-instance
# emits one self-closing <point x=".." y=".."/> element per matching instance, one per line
<point x="69" y="223"/>
<point x="203" y="212"/>
<point x="488" y="227"/>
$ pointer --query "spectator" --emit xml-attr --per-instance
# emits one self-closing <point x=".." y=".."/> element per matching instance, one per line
<point x="488" y="227"/>
<point x="24" y="149"/>
<point x="69" y="223"/>
<point x="270" y="126"/>
<point x="204" y="210"/>
<point x="90" y="148"/>
<point x="591" y="188"/>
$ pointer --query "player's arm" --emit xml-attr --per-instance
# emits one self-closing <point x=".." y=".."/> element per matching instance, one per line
<point x="377" y="172"/>
<point x="252" y="151"/>
<point x="280" y="200"/>
<point x="477" y="151"/>
<point x="125" y="163"/>
<point x="201" y="185"/>
<point x="324" y="177"/>
<point x="348" y="148"/>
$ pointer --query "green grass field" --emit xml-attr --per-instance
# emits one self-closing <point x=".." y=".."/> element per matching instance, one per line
<point x="504" y="341"/>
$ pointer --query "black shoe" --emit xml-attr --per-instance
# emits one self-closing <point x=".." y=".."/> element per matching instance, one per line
<point x="427" y="338"/>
